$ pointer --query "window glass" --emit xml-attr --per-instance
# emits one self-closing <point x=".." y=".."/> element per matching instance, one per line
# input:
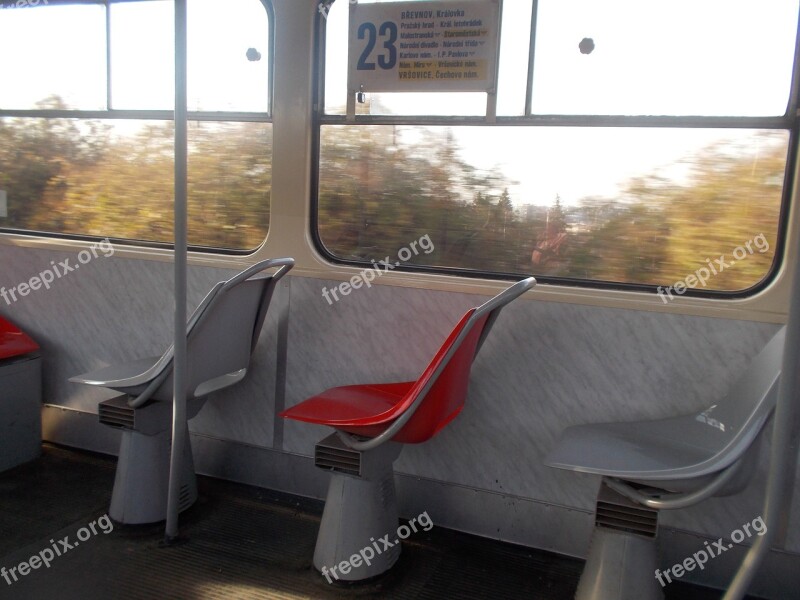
<point x="142" y="63"/>
<point x="227" y="56"/>
<point x="577" y="187"/>
<point x="623" y="205"/>
<point x="115" y="178"/>
<point x="716" y="57"/>
<point x="53" y="57"/>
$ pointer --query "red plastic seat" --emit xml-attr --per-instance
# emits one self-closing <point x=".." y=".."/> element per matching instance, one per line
<point x="14" y="342"/>
<point x="361" y="502"/>
<point x="435" y="398"/>
<point x="367" y="410"/>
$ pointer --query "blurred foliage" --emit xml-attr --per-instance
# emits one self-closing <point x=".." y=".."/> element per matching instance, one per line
<point x="378" y="193"/>
<point x="90" y="177"/>
<point x="376" y="196"/>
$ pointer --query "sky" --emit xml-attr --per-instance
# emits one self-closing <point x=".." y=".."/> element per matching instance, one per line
<point x="701" y="57"/>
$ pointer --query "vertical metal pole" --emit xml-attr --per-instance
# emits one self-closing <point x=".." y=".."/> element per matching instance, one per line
<point x="785" y="434"/>
<point x="351" y="74"/>
<point x="179" y="424"/>
<point x="109" y="99"/>
<point x="786" y="424"/>
<point x="782" y="448"/>
<point x="531" y="56"/>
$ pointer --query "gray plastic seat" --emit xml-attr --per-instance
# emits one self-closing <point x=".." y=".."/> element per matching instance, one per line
<point x="680" y="461"/>
<point x="222" y="333"/>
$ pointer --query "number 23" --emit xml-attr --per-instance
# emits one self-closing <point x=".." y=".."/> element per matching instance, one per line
<point x="368" y="30"/>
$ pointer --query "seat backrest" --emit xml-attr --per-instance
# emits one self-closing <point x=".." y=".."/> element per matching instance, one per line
<point x="220" y="344"/>
<point x="448" y="389"/>
<point x="439" y="393"/>
<point x="730" y="427"/>
<point x="223" y="331"/>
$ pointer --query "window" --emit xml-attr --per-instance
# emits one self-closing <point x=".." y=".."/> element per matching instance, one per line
<point x="633" y="145"/>
<point x="676" y="58"/>
<point x="86" y="136"/>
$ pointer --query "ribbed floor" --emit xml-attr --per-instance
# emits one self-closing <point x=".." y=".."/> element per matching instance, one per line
<point x="241" y="542"/>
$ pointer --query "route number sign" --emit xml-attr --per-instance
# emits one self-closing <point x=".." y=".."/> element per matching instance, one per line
<point x="443" y="46"/>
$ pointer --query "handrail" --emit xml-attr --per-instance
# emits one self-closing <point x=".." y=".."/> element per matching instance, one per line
<point x="677" y="500"/>
<point x="285" y="263"/>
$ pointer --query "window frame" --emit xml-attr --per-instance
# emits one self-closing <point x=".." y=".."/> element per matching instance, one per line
<point x="789" y="122"/>
<point x="146" y="114"/>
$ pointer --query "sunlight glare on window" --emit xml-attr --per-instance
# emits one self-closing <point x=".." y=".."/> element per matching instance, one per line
<point x="228" y="48"/>
<point x="716" y="57"/>
<point x="53" y="51"/>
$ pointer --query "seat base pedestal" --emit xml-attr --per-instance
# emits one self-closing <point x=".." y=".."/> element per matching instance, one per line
<point x="620" y="566"/>
<point x="359" y="511"/>
<point x="142" y="478"/>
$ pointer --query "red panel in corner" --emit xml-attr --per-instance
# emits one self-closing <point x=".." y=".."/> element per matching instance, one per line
<point x="14" y="342"/>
